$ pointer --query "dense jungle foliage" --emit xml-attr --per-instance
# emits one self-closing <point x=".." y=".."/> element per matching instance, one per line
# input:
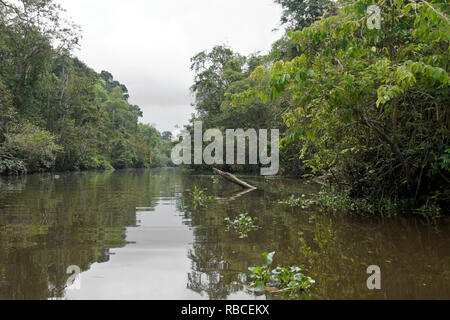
<point x="55" y="112"/>
<point x="365" y="109"/>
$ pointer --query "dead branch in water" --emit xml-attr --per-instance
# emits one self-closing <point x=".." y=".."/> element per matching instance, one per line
<point x="232" y="178"/>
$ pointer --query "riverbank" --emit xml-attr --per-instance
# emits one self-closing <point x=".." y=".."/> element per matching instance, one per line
<point x="331" y="200"/>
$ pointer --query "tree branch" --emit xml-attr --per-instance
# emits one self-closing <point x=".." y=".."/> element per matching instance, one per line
<point x="437" y="12"/>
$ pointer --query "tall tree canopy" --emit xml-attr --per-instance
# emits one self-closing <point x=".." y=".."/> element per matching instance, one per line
<point x="364" y="109"/>
<point x="56" y="112"/>
<point x="298" y="14"/>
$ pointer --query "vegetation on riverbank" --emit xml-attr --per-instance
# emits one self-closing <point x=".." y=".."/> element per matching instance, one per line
<point x="330" y="202"/>
<point x="55" y="112"/>
<point x="365" y="109"/>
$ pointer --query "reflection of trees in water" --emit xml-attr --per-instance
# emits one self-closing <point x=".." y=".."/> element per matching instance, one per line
<point x="211" y="272"/>
<point x="215" y="255"/>
<point x="50" y="223"/>
<point x="338" y="249"/>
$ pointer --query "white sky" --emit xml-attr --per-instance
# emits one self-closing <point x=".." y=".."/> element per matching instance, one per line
<point x="147" y="45"/>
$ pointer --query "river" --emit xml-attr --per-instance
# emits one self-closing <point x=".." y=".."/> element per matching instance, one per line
<point x="136" y="234"/>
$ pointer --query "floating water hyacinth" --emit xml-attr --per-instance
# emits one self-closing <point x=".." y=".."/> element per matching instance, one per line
<point x="200" y="197"/>
<point x="243" y="224"/>
<point x="279" y="280"/>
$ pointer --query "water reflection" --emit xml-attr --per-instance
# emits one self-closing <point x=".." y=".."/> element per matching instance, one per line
<point x="169" y="249"/>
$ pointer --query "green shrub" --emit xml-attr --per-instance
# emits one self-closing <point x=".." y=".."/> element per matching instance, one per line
<point x="36" y="147"/>
<point x="12" y="167"/>
<point x="96" y="162"/>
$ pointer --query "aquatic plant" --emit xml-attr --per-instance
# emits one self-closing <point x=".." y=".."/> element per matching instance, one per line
<point x="215" y="179"/>
<point x="200" y="197"/>
<point x="430" y="211"/>
<point x="243" y="224"/>
<point x="292" y="278"/>
<point x="261" y="274"/>
<point x="281" y="279"/>
<point x="294" y="201"/>
<point x="331" y="201"/>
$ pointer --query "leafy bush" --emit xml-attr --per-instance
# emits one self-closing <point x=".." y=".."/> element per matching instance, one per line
<point x="97" y="162"/>
<point x="369" y="107"/>
<point x="35" y="146"/>
<point x="430" y="211"/>
<point x="12" y="167"/>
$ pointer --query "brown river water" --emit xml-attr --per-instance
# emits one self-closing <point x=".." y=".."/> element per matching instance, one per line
<point x="136" y="234"/>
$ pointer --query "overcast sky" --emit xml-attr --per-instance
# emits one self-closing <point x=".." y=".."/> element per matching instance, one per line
<point x="147" y="44"/>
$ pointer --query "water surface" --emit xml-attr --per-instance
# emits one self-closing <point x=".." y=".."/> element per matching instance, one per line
<point x="136" y="234"/>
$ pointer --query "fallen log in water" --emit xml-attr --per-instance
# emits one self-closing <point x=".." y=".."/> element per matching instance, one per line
<point x="231" y="178"/>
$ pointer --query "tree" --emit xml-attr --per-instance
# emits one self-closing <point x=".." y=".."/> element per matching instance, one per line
<point x="299" y="14"/>
<point x="29" y="29"/>
<point x="371" y="106"/>
<point x="215" y="71"/>
<point x="56" y="112"/>
<point x="167" y="136"/>
<point x="37" y="147"/>
<point x="110" y="83"/>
